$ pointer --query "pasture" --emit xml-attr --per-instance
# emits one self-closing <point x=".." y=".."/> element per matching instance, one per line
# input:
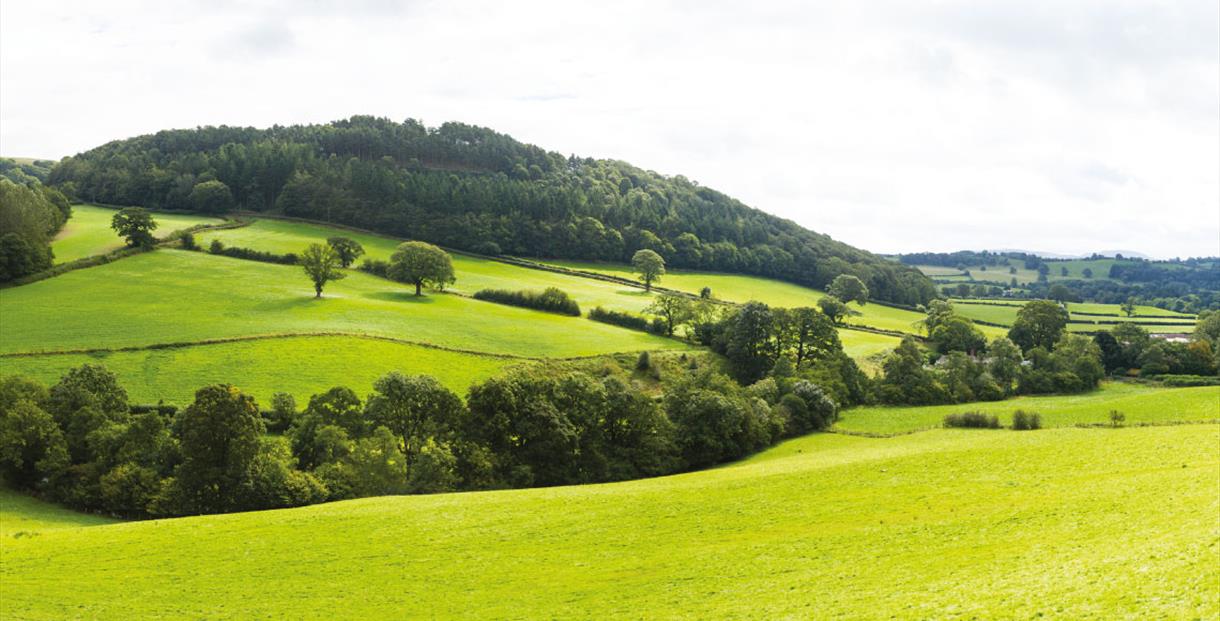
<point x="301" y="366"/>
<point x="88" y="231"/>
<point x="173" y="296"/>
<point x="1089" y="317"/>
<point x="1062" y="523"/>
<point x="473" y="273"/>
<point x="1139" y="403"/>
<point x="22" y="515"/>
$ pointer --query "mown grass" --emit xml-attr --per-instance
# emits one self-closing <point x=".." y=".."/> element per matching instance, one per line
<point x="88" y="231"/>
<point x="173" y="296"/>
<point x="300" y="366"/>
<point x="473" y="273"/>
<point x="1139" y="403"/>
<point x="1065" y="523"/>
<point x="22" y="515"/>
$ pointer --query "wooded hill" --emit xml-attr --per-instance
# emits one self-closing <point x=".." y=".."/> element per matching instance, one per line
<point x="470" y="188"/>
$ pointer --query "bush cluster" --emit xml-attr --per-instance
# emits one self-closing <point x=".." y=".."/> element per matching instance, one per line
<point x="1026" y="421"/>
<point x="627" y="320"/>
<point x="972" y="420"/>
<point x="551" y="300"/>
<point x="250" y="254"/>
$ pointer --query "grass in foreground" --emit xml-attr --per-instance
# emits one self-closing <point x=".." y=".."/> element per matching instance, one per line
<point x="300" y="366"/>
<point x="1139" y="403"/>
<point x="21" y="515"/>
<point x="171" y="296"/>
<point x="88" y="231"/>
<point x="1067" y="523"/>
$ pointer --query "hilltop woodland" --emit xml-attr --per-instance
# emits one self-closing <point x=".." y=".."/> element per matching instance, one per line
<point x="473" y="189"/>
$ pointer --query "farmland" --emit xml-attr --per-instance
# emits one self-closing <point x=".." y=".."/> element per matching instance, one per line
<point x="88" y="232"/>
<point x="1074" y="523"/>
<point x="1085" y="317"/>
<point x="1140" y="404"/>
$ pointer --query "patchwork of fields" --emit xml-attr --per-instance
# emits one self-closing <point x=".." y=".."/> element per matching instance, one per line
<point x="1086" y="317"/>
<point x="1063" y="523"/>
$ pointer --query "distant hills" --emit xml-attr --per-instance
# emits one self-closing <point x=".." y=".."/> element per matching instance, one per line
<point x="1110" y="254"/>
<point x="470" y="188"/>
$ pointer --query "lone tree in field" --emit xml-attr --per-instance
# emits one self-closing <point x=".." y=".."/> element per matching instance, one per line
<point x="420" y="263"/>
<point x="675" y="310"/>
<point x="321" y="264"/>
<point x="135" y="224"/>
<point x="348" y="249"/>
<point x="649" y="265"/>
<point x="1039" y="324"/>
<point x="1128" y="307"/>
<point x="849" y="289"/>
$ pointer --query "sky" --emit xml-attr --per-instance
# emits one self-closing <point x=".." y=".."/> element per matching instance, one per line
<point x="1057" y="126"/>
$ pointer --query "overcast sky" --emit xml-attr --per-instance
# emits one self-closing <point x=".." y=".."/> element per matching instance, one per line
<point x="894" y="126"/>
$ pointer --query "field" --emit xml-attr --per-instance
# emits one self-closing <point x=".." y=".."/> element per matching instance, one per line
<point x="88" y="231"/>
<point x="1139" y="403"/>
<point x="301" y="366"/>
<point x="473" y="273"/>
<point x="21" y="515"/>
<point x="1155" y="320"/>
<point x="1064" y="523"/>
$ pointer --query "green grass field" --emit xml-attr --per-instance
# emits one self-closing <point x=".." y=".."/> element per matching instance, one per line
<point x="1065" y="523"/>
<point x="1153" y="319"/>
<point x="174" y="296"/>
<point x="88" y="231"/>
<point x="472" y="273"/>
<point x="1139" y="403"/>
<point x="301" y="366"/>
<point x="21" y="516"/>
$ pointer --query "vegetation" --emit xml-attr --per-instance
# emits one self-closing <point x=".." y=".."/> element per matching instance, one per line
<point x="466" y="187"/>
<point x="551" y="300"/>
<point x="29" y="218"/>
<point x="322" y="265"/>
<point x="420" y="264"/>
<point x="135" y="225"/>
<point x="649" y="265"/>
<point x="975" y="420"/>
<point x="88" y="232"/>
<point x="721" y="541"/>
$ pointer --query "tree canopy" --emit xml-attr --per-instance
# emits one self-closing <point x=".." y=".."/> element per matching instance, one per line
<point x="421" y="263"/>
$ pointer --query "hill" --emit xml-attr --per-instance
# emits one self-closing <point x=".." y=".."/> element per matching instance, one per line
<point x="1071" y="523"/>
<point x="469" y="188"/>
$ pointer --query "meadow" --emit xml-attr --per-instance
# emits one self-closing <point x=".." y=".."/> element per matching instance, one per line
<point x="22" y="515"/>
<point x="1155" y="320"/>
<point x="173" y="296"/>
<point x="1062" y="523"/>
<point x="1138" y="402"/>
<point x="301" y="366"/>
<point x="88" y="231"/>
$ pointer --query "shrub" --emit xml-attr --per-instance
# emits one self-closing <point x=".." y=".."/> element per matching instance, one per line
<point x="621" y="319"/>
<point x="1024" y="421"/>
<point x="1117" y="418"/>
<point x="489" y="248"/>
<point x="252" y="255"/>
<point x="375" y="267"/>
<point x="643" y="363"/>
<point x="1185" y="381"/>
<point x="188" y="241"/>
<point x="972" y="420"/>
<point x="551" y="300"/>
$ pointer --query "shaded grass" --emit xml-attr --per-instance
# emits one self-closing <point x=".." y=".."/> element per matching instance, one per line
<point x="22" y="515"/>
<point x="1140" y="403"/>
<point x="88" y="231"/>
<point x="1067" y="523"/>
<point x="301" y="366"/>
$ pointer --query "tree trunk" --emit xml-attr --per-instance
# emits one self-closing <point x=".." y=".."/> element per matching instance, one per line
<point x="418" y="286"/>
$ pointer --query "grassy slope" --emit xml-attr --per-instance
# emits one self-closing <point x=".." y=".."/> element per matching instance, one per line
<point x="1138" y="402"/>
<point x="301" y="366"/>
<point x="173" y="296"/>
<point x="474" y="274"/>
<point x="88" y="231"/>
<point x="1068" y="523"/>
<point x="21" y="515"/>
<point x="1007" y="314"/>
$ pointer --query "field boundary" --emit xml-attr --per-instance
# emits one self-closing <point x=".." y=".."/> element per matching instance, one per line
<point x="88" y="351"/>
<point x="1097" y="425"/>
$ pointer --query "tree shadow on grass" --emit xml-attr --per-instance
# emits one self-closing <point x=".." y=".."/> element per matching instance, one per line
<point x="401" y="296"/>
<point x="635" y="293"/>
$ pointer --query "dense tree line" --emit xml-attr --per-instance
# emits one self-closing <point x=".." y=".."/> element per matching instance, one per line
<point x="82" y="443"/>
<point x="474" y="189"/>
<point x="30" y="216"/>
<point x="551" y="299"/>
<point x="25" y="173"/>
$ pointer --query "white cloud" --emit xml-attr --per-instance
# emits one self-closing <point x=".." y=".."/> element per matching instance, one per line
<point x="1061" y="126"/>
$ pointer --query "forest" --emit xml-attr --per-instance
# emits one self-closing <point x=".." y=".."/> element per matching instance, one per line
<point x="472" y="189"/>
